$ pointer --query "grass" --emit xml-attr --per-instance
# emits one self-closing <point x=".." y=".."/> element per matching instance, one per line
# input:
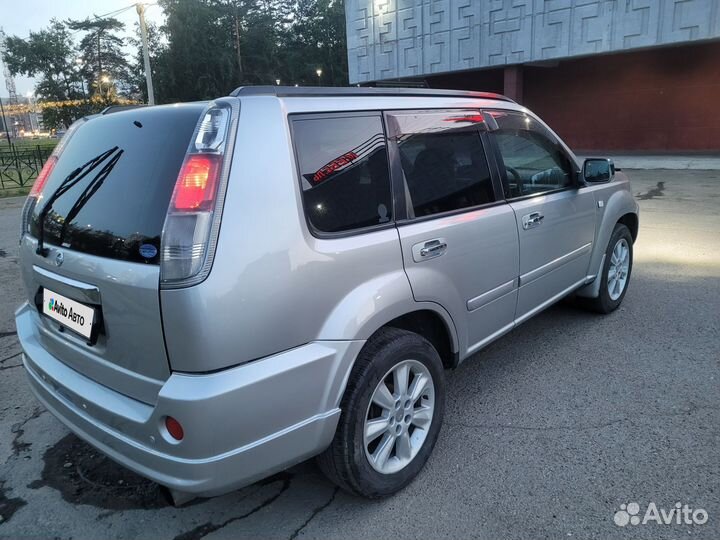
<point x="24" y="144"/>
<point x="14" y="192"/>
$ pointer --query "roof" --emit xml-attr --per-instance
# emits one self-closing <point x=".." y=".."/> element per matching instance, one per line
<point x="354" y="91"/>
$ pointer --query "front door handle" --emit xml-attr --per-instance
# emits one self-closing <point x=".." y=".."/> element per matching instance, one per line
<point x="530" y="221"/>
<point x="429" y="249"/>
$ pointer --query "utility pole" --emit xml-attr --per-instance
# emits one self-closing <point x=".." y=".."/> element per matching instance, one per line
<point x="146" y="53"/>
<point x="237" y="46"/>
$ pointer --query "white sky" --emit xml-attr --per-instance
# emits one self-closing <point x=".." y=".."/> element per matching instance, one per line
<point x="19" y="17"/>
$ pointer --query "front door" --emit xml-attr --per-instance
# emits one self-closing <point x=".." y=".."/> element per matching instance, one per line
<point x="555" y="218"/>
<point x="458" y="236"/>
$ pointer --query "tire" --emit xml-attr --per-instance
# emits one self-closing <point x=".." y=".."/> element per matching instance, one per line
<point x="347" y="461"/>
<point x="606" y="301"/>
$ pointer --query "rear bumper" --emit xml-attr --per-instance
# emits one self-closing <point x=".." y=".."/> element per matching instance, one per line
<point x="240" y="424"/>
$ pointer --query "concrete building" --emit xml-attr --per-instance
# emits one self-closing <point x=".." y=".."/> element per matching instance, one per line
<point x="635" y="75"/>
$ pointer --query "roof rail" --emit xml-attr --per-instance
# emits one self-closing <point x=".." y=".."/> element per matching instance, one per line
<point x="354" y="91"/>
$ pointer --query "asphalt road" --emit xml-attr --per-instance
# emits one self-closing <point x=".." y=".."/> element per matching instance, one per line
<point x="547" y="432"/>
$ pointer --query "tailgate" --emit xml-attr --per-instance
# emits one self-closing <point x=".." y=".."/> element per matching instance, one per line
<point x="102" y="239"/>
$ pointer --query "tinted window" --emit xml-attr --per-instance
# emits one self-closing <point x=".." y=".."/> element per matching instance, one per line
<point x="443" y="161"/>
<point x="344" y="172"/>
<point x="534" y="160"/>
<point x="128" y="193"/>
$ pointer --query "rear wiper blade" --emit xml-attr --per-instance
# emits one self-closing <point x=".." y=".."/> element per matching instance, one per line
<point x="68" y="183"/>
<point x="88" y="192"/>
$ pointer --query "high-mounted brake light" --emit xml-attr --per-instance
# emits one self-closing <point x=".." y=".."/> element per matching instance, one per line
<point x="42" y="178"/>
<point x="192" y="222"/>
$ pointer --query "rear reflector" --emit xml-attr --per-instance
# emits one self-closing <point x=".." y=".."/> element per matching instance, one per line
<point x="174" y="428"/>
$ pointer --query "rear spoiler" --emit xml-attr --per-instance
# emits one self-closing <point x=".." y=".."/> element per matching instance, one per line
<point x="117" y="108"/>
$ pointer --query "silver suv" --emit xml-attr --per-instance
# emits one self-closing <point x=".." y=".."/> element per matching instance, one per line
<point x="217" y="291"/>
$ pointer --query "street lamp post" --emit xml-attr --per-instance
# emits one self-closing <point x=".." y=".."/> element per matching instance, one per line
<point x="319" y="74"/>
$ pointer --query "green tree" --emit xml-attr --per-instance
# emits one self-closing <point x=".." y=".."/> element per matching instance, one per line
<point x="316" y="40"/>
<point x="200" y="62"/>
<point x="213" y="46"/>
<point x="105" y="68"/>
<point x="48" y="56"/>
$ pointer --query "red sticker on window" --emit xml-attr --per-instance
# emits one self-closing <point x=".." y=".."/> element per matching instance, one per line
<point x="470" y="118"/>
<point x="334" y="165"/>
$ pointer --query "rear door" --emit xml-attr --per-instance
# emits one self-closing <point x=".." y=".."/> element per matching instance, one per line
<point x="555" y="219"/>
<point x="102" y="240"/>
<point x="459" y="243"/>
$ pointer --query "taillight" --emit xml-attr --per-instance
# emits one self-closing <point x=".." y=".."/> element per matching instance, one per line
<point x="192" y="223"/>
<point x="41" y="181"/>
<point x="197" y="183"/>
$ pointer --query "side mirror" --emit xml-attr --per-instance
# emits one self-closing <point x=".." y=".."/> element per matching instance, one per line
<point x="598" y="170"/>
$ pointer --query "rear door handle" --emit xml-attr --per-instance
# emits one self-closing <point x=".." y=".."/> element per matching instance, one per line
<point x="530" y="221"/>
<point x="429" y="249"/>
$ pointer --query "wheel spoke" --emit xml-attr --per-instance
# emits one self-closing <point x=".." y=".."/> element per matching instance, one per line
<point x="383" y="398"/>
<point x="419" y="385"/>
<point x="401" y="376"/>
<point x="375" y="428"/>
<point x="422" y="417"/>
<point x="613" y="259"/>
<point x="611" y="284"/>
<point x="402" y="446"/>
<point x="381" y="454"/>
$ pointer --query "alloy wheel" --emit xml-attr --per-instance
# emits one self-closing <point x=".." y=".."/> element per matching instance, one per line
<point x="619" y="269"/>
<point x="399" y="416"/>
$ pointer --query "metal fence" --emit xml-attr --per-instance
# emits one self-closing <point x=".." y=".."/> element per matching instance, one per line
<point x="20" y="166"/>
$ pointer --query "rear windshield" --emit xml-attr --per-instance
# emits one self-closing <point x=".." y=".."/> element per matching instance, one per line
<point x="118" y="209"/>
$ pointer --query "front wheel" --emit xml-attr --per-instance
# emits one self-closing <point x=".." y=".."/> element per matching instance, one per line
<point x="615" y="272"/>
<point x="392" y="411"/>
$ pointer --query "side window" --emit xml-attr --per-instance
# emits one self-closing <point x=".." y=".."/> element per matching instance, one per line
<point x="344" y="171"/>
<point x="533" y="159"/>
<point x="443" y="160"/>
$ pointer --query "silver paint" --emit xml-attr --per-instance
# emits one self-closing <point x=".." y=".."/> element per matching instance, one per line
<point x="258" y="355"/>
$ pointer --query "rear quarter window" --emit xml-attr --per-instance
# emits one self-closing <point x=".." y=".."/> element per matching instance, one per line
<point x="344" y="176"/>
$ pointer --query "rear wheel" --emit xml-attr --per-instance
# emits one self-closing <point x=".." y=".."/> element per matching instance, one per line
<point x="392" y="411"/>
<point x="616" y="271"/>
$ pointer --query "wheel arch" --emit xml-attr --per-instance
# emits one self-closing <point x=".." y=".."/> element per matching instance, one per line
<point x="432" y="326"/>
<point x="619" y="208"/>
<point x="631" y="221"/>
